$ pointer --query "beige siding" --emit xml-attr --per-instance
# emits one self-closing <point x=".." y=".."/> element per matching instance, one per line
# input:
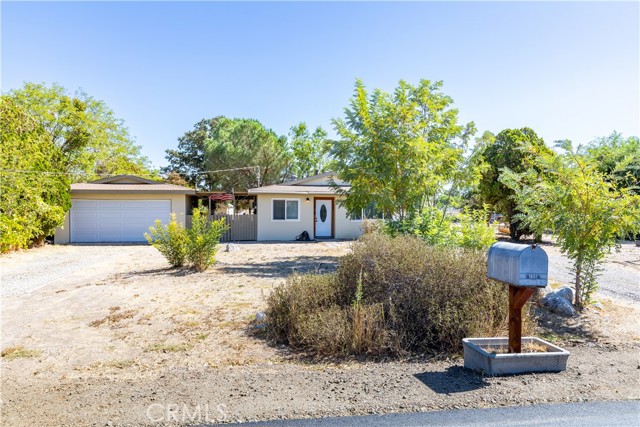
<point x="345" y="228"/>
<point x="178" y="206"/>
<point x="288" y="230"/>
<point x="284" y="230"/>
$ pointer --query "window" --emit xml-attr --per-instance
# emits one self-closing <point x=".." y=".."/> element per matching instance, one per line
<point x="370" y="212"/>
<point x="356" y="215"/>
<point x="285" y="210"/>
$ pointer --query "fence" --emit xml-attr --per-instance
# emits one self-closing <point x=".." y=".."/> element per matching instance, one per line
<point x="241" y="227"/>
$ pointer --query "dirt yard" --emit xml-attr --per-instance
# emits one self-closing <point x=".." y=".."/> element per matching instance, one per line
<point x="112" y="336"/>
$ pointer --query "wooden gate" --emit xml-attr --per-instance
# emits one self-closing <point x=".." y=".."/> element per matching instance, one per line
<point x="241" y="227"/>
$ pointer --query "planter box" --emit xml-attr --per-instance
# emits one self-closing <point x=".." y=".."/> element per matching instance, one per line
<point x="476" y="357"/>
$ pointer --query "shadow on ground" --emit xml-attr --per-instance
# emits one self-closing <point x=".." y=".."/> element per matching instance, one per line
<point x="283" y="268"/>
<point x="454" y="379"/>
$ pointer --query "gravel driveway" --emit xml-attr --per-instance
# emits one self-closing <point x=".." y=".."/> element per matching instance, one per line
<point x="620" y="278"/>
<point x="22" y="272"/>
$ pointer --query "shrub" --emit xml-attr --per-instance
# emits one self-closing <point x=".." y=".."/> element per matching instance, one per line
<point x="390" y="296"/>
<point x="471" y="231"/>
<point x="203" y="239"/>
<point x="170" y="240"/>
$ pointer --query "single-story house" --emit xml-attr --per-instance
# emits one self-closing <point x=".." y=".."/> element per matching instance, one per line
<point x="286" y="210"/>
<point x="120" y="209"/>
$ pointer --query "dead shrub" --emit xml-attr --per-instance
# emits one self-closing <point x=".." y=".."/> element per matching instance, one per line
<point x="391" y="296"/>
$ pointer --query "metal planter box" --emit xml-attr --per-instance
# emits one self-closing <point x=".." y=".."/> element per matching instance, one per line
<point x="477" y="357"/>
<point x="518" y="265"/>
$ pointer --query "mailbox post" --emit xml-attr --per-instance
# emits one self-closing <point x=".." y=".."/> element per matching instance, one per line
<point x="524" y="268"/>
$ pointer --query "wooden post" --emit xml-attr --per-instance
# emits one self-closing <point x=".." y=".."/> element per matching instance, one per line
<point x="518" y="296"/>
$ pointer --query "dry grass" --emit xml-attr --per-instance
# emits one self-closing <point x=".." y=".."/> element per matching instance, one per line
<point x="19" y="352"/>
<point x="168" y="348"/>
<point x="114" y="318"/>
<point x="530" y="347"/>
<point x="391" y="296"/>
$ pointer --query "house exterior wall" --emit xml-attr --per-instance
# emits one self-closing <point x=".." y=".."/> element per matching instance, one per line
<point x="178" y="206"/>
<point x="268" y="229"/>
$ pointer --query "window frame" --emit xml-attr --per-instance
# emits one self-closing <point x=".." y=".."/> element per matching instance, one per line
<point x="285" y="209"/>
<point x="358" y="219"/>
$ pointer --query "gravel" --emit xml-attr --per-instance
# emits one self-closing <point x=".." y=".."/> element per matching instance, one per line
<point x="26" y="271"/>
<point x="620" y="278"/>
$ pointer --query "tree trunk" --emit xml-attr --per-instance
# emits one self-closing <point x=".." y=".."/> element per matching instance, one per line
<point x="578" y="296"/>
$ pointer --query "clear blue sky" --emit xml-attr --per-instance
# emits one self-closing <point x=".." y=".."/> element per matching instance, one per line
<point x="568" y="70"/>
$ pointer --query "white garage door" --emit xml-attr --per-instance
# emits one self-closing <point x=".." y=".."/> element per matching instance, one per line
<point x="115" y="220"/>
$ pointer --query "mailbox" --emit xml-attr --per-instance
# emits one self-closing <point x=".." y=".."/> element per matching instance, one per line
<point x="518" y="265"/>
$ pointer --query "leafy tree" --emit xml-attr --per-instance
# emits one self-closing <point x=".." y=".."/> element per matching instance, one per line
<point x="585" y="210"/>
<point x="241" y="143"/>
<point x="618" y="158"/>
<point x="398" y="150"/>
<point x="221" y="144"/>
<point x="517" y="150"/>
<point x="89" y="137"/>
<point x="32" y="203"/>
<point x="308" y="151"/>
<point x="188" y="159"/>
<point x="175" y="179"/>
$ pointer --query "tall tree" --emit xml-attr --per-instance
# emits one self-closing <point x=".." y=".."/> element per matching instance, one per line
<point x="188" y="159"/>
<point x="618" y="158"/>
<point x="398" y="151"/>
<point x="517" y="150"/>
<point x="586" y="211"/>
<point x="34" y="195"/>
<point x="230" y="154"/>
<point x="91" y="140"/>
<point x="308" y="151"/>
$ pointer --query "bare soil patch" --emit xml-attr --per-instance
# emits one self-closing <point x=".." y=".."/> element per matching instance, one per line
<point x="127" y="339"/>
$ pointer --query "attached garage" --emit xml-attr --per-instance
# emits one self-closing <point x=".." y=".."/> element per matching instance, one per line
<point x="120" y="209"/>
<point x="115" y="220"/>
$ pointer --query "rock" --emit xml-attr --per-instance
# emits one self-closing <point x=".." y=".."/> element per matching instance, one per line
<point x="557" y="303"/>
<point x="566" y="293"/>
<point x="231" y="247"/>
<point x="261" y="320"/>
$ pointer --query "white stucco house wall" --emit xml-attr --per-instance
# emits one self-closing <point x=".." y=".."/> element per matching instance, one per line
<point x="309" y="204"/>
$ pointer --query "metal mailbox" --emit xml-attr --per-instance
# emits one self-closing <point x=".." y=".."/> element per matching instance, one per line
<point x="518" y="265"/>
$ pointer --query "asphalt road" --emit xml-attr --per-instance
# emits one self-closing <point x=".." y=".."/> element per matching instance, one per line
<point x="606" y="414"/>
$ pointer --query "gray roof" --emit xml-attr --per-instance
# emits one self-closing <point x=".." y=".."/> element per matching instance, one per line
<point x="295" y="189"/>
<point x="114" y="185"/>
<point x="129" y="188"/>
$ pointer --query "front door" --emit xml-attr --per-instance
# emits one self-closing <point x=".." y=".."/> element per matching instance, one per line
<point x="324" y="218"/>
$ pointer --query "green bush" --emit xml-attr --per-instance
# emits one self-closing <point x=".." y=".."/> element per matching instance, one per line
<point x="470" y="232"/>
<point x="170" y="240"/>
<point x="32" y="205"/>
<point x="203" y="239"/>
<point x="391" y="296"/>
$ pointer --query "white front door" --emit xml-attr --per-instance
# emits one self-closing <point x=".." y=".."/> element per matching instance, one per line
<point x="324" y="218"/>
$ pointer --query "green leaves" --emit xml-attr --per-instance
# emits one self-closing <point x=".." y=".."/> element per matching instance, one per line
<point x="398" y="150"/>
<point x="89" y="138"/>
<point x="308" y="151"/>
<point x="221" y="144"/>
<point x="578" y="203"/>
<point x="33" y="203"/>
<point x="203" y="238"/>
<point x="197" y="245"/>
